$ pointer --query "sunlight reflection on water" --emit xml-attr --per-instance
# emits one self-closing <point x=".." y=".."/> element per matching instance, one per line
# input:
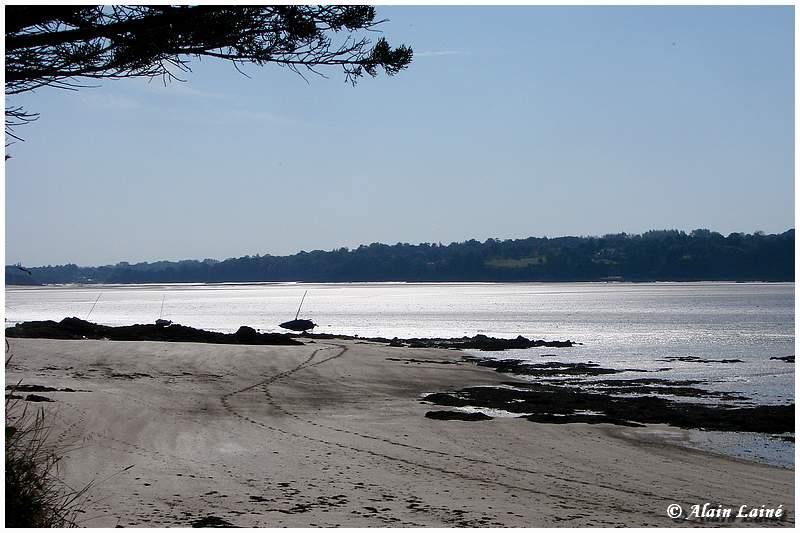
<point x="620" y="325"/>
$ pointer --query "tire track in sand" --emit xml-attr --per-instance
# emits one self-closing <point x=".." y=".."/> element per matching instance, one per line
<point x="307" y="363"/>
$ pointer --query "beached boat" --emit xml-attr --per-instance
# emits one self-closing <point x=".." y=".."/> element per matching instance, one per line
<point x="299" y="324"/>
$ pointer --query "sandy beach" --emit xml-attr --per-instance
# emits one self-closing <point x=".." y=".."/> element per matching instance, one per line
<point x="332" y="433"/>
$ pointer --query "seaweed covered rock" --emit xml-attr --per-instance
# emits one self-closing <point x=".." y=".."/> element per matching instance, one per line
<point x="457" y="415"/>
<point x="75" y="328"/>
<point x="476" y="342"/>
<point x="563" y="404"/>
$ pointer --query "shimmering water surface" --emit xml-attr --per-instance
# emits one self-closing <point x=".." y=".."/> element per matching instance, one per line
<point x="621" y="325"/>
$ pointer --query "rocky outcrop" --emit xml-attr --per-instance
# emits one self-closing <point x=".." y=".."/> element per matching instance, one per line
<point x="563" y="404"/>
<point x="457" y="415"/>
<point x="75" y="328"/>
<point x="477" y="342"/>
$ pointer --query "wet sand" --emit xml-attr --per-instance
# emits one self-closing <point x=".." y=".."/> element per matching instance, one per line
<point x="332" y="434"/>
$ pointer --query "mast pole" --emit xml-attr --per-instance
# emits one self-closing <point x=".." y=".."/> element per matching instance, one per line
<point x="301" y="305"/>
<point x="95" y="303"/>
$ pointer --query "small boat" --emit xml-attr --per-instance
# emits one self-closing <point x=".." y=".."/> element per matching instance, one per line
<point x="299" y="324"/>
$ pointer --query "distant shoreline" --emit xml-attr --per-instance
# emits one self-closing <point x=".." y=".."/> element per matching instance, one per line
<point x="659" y="255"/>
<point x="290" y="283"/>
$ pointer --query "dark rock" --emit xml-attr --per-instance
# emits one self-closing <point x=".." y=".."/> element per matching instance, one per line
<point x="645" y="381"/>
<point x="658" y="386"/>
<point x="37" y="398"/>
<point x="457" y="415"/>
<point x="75" y="328"/>
<point x="695" y="359"/>
<point x="786" y="359"/>
<point x="548" y="399"/>
<point x="246" y="335"/>
<point x="580" y="419"/>
<point x="478" y="342"/>
<point x="515" y="366"/>
<point x="23" y="387"/>
<point x="211" y="521"/>
<point x="420" y="361"/>
<point x="132" y="375"/>
<point x="685" y="392"/>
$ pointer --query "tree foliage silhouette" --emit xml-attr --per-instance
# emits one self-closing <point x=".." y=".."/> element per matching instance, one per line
<point x="667" y="255"/>
<point x="69" y="46"/>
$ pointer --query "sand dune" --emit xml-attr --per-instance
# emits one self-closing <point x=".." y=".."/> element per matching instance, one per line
<point x="333" y="434"/>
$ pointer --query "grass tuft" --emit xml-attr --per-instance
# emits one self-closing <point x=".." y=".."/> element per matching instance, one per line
<point x="35" y="494"/>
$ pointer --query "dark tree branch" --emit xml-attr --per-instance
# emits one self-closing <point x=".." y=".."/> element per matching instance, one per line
<point x="59" y="46"/>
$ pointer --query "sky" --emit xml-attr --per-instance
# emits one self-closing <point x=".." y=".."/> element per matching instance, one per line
<point x="510" y="122"/>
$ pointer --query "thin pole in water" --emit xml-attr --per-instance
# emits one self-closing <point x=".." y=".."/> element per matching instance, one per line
<point x="301" y="305"/>
<point x="95" y="303"/>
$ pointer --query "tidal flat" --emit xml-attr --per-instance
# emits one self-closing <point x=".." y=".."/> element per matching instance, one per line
<point x="334" y="433"/>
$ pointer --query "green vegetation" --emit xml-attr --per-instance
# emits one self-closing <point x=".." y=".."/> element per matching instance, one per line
<point x="35" y="496"/>
<point x="668" y="255"/>
<point x="517" y="263"/>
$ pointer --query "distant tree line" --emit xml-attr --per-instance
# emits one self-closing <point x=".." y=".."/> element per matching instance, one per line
<point x="666" y="255"/>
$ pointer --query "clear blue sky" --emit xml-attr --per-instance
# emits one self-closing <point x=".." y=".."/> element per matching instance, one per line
<point x="510" y="122"/>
